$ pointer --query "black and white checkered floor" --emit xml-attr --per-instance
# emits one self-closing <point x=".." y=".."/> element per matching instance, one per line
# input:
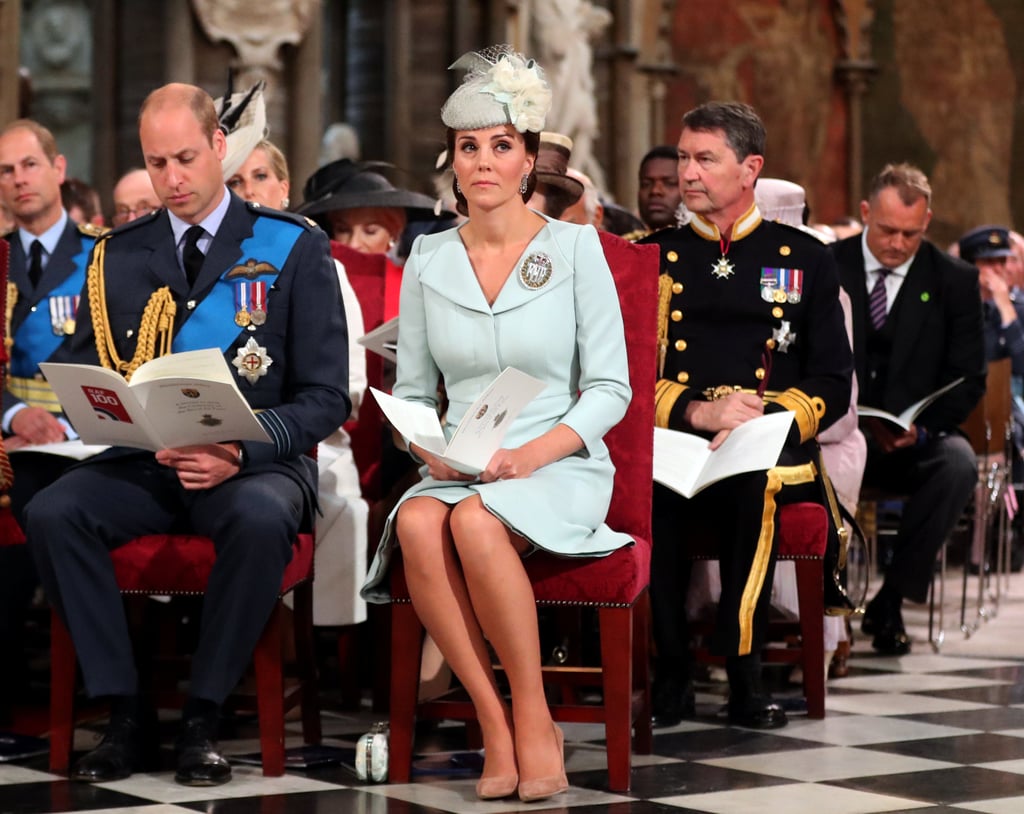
<point x="928" y="732"/>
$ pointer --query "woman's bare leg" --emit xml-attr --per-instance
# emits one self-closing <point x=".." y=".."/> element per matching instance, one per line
<point x="438" y="592"/>
<point x="505" y="607"/>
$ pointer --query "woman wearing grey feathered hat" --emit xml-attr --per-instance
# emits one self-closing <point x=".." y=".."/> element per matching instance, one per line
<point x="508" y="288"/>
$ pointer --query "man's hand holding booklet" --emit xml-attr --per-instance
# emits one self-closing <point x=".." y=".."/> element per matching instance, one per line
<point x="907" y="418"/>
<point x="482" y="429"/>
<point x="172" y="401"/>
<point x="686" y="464"/>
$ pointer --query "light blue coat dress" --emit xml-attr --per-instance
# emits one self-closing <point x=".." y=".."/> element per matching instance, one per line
<point x="567" y="332"/>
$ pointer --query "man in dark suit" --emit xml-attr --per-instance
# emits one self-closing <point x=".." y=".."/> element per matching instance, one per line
<point x="749" y="323"/>
<point x="48" y="254"/>
<point x="917" y="325"/>
<point x="208" y="271"/>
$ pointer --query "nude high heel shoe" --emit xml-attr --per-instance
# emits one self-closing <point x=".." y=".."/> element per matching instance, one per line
<point x="544" y="787"/>
<point x="494" y="788"/>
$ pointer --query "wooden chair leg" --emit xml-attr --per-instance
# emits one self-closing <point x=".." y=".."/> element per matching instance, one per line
<point x="305" y="655"/>
<point x="811" y="600"/>
<point x="62" y="695"/>
<point x="268" y="660"/>
<point x="406" y="643"/>
<point x="643" y="741"/>
<point x="617" y="673"/>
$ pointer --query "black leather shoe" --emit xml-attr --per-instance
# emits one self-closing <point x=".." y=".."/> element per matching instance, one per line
<point x="118" y="755"/>
<point x="763" y="714"/>
<point x="891" y="641"/>
<point x="671" y="702"/>
<point x="885" y="623"/>
<point x="198" y="761"/>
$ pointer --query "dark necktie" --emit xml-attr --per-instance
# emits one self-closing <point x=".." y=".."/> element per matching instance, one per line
<point x="877" y="304"/>
<point x="35" y="265"/>
<point x="191" y="256"/>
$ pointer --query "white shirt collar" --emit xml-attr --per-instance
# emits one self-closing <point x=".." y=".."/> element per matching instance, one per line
<point x="50" y="238"/>
<point x="211" y="223"/>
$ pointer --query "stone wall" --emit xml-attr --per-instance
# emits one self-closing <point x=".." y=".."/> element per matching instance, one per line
<point x="946" y="95"/>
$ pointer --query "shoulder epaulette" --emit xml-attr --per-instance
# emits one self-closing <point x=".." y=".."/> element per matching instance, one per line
<point x="132" y="224"/>
<point x="804" y="232"/>
<point x="291" y="217"/>
<point x="635" y="235"/>
<point x="92" y="230"/>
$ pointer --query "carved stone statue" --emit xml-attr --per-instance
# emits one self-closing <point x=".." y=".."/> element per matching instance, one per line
<point x="562" y="32"/>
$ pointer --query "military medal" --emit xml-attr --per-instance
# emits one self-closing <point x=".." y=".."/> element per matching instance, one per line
<point x="252" y="361"/>
<point x="722" y="268"/>
<point x="784" y="336"/>
<point x="536" y="270"/>
<point x="63" y="308"/>
<point x="769" y="284"/>
<point x="259" y="303"/>
<point x="242" y="316"/>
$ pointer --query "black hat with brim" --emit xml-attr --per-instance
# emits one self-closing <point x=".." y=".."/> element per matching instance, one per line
<point x="346" y="184"/>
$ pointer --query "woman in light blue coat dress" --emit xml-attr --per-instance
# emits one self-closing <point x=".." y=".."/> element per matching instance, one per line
<point x="508" y="288"/>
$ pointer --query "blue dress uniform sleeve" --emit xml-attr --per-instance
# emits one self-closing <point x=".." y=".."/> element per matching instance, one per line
<point x="315" y="400"/>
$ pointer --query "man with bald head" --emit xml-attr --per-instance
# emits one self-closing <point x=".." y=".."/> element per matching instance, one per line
<point x="208" y="270"/>
<point x="134" y="197"/>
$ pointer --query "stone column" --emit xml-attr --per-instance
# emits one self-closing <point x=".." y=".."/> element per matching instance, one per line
<point x="855" y="70"/>
<point x="10" y="28"/>
<point x="256" y="31"/>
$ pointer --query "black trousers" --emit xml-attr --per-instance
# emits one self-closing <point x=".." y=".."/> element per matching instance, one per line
<point x="731" y="513"/>
<point x="938" y="479"/>
<point x="94" y="508"/>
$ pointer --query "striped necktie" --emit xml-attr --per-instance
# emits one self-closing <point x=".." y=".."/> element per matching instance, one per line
<point x="877" y="303"/>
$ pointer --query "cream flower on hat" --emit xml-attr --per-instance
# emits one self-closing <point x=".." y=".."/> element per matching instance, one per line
<point x="502" y="87"/>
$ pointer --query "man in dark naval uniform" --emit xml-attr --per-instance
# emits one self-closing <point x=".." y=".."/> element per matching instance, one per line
<point x="48" y="254"/>
<point x="208" y="271"/>
<point x="750" y="323"/>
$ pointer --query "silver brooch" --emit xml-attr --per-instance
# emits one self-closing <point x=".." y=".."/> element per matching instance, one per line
<point x="536" y="270"/>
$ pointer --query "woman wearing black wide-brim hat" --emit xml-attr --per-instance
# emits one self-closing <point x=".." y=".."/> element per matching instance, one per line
<point x="360" y="208"/>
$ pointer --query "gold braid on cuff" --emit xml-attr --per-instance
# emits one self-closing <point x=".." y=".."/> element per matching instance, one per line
<point x="809" y="410"/>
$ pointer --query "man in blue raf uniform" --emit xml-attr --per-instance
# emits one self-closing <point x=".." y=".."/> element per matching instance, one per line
<point x="750" y="322"/>
<point x="48" y="255"/>
<point x="210" y="270"/>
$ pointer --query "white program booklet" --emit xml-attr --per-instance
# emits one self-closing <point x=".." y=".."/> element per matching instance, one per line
<point x="482" y="429"/>
<point x="907" y="418"/>
<point x="172" y="401"/>
<point x="684" y="463"/>
<point x="66" y="449"/>
<point x="383" y="340"/>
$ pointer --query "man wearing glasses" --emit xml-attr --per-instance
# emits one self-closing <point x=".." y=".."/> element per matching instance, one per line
<point x="134" y="197"/>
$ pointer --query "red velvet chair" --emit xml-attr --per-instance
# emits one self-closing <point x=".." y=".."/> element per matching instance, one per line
<point x="803" y="531"/>
<point x="616" y="585"/>
<point x="180" y="565"/>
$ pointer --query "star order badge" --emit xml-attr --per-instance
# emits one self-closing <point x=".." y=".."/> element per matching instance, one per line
<point x="784" y="336"/>
<point x="252" y="361"/>
<point x="722" y="268"/>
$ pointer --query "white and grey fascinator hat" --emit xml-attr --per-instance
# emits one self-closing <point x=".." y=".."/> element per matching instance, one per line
<point x="243" y="120"/>
<point x="501" y="87"/>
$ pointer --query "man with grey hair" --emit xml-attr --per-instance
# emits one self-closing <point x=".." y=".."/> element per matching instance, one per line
<point x="749" y="324"/>
<point x="917" y="326"/>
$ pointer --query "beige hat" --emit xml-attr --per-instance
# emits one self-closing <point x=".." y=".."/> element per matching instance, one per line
<point x="552" y="163"/>
<point x="243" y="118"/>
<point x="501" y="87"/>
<point x="780" y="200"/>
